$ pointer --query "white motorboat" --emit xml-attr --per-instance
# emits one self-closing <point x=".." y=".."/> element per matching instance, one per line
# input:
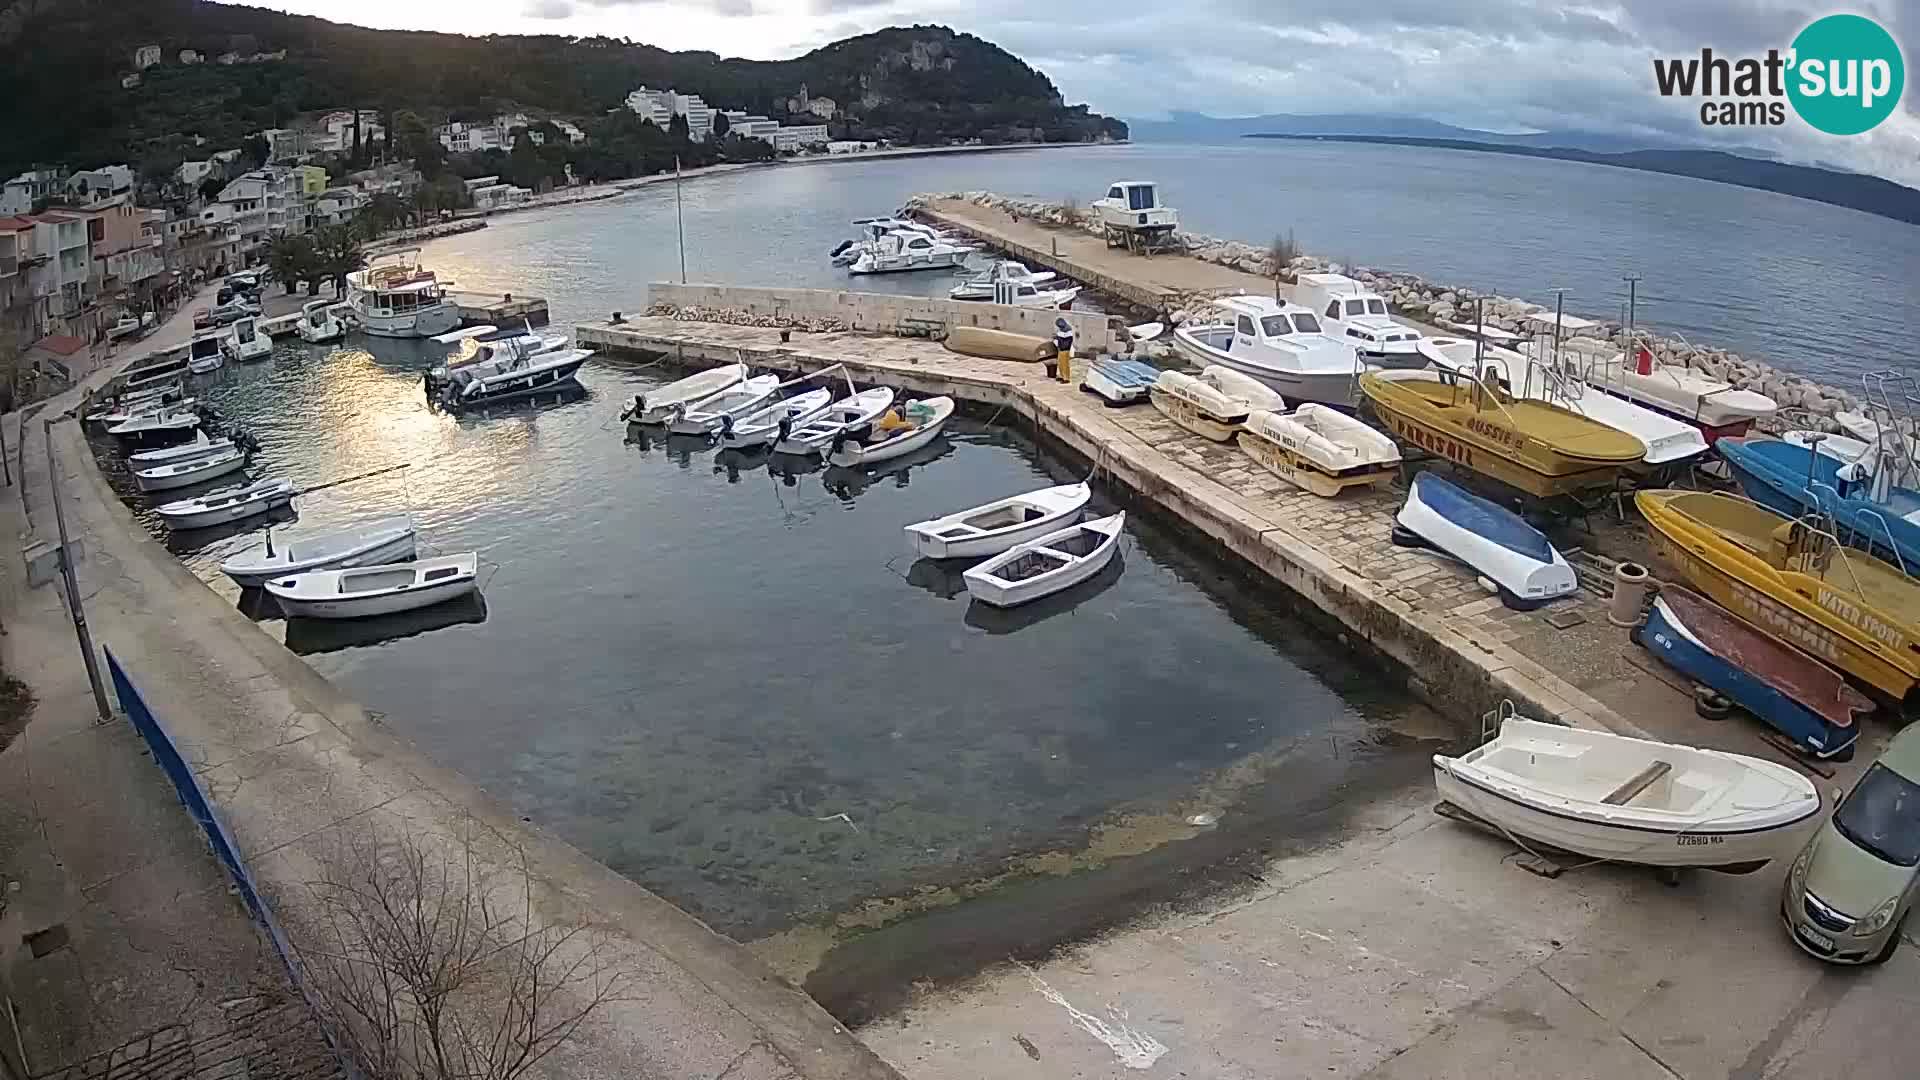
<point x="1496" y="542"/>
<point x="658" y="406"/>
<point x="400" y="299"/>
<point x="980" y="286"/>
<point x="140" y="409"/>
<point x="1042" y="567"/>
<point x="1132" y="210"/>
<point x="1117" y="380"/>
<point x="156" y="376"/>
<point x="1841" y="448"/>
<point x="872" y="230"/>
<point x="1351" y="310"/>
<point x="813" y="436"/>
<point x="704" y="417"/>
<point x="773" y="421"/>
<point x="376" y="543"/>
<point x="201" y="446"/>
<point x="207" y="352"/>
<point x="1717" y="407"/>
<point x="1628" y="800"/>
<point x="1198" y="406"/>
<point x="169" y="425"/>
<point x="511" y="370"/>
<point x="246" y="343"/>
<point x="228" y="504"/>
<point x="153" y="392"/>
<point x="1036" y="296"/>
<point x="1319" y="449"/>
<point x="1866" y="430"/>
<point x="996" y="526"/>
<point x="363" y="592"/>
<point x="318" y="324"/>
<point x="926" y="418"/>
<point x="482" y="343"/>
<point x="1282" y="345"/>
<point x="179" y="474"/>
<point x="901" y="251"/>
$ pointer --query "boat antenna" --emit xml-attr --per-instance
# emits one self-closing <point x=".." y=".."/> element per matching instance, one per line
<point x="679" y="218"/>
<point x="269" y="541"/>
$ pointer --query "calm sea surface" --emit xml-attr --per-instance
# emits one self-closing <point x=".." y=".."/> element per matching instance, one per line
<point x="727" y="681"/>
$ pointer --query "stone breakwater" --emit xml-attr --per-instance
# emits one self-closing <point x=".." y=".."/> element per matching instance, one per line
<point x="739" y="317"/>
<point x="1805" y="403"/>
<point x="428" y="232"/>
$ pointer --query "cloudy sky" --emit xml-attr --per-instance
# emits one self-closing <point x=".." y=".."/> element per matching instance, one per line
<point x="1508" y="65"/>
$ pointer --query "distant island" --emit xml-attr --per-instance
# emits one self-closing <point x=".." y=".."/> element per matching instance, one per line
<point x="1868" y="194"/>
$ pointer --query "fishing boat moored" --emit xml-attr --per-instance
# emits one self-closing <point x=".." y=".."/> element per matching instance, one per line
<point x="813" y="436"/>
<point x="772" y="422"/>
<point x="923" y="421"/>
<point x="229" y="504"/>
<point x="363" y="592"/>
<point x="388" y="540"/>
<point x="657" y="406"/>
<point x="1046" y="565"/>
<point x="191" y="471"/>
<point x="1628" y="800"/>
<point x="705" y="417"/>
<point x="994" y="527"/>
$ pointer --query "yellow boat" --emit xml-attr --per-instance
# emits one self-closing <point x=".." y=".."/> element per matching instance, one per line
<point x="1541" y="449"/>
<point x="1794" y="582"/>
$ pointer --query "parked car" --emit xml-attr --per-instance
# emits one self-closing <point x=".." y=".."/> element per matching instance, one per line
<point x="234" y="311"/>
<point x="1849" y="890"/>
<point x="202" y="319"/>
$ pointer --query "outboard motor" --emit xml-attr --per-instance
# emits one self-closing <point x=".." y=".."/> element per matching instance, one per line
<point x="786" y="426"/>
<point x="844" y="245"/>
<point x="726" y="426"/>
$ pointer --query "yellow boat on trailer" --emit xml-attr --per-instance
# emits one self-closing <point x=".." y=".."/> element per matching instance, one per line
<point x="1538" y="448"/>
<point x="1795" y="582"/>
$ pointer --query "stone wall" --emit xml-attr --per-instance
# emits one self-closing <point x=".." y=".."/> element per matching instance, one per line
<point x="822" y="310"/>
<point x="1805" y="403"/>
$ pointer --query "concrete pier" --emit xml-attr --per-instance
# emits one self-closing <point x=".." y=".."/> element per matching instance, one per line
<point x="1460" y="649"/>
<point x="506" y="309"/>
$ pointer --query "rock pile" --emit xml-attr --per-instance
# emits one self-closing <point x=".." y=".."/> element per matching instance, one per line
<point x="738" y="317"/>
<point x="1808" y="404"/>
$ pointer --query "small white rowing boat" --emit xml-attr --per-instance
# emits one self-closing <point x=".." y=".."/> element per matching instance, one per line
<point x="773" y="422"/>
<point x="704" y="417"/>
<point x="1042" y="567"/>
<point x="229" y="504"/>
<point x="1319" y="449"/>
<point x="1198" y="406"/>
<point x="388" y="540"/>
<point x="851" y="412"/>
<point x="164" y="426"/>
<point x="201" y="446"/>
<point x="114" y="417"/>
<point x="997" y="526"/>
<point x="1628" y="800"/>
<point x="376" y="590"/>
<point x="927" y="417"/>
<point x="192" y="471"/>
<point x="657" y="406"/>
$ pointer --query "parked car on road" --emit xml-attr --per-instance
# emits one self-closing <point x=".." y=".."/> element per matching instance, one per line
<point x="1849" y="890"/>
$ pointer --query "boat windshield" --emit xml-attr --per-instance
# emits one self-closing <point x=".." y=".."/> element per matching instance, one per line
<point x="1376" y="307"/>
<point x="1882" y="816"/>
<point x="1306" y="323"/>
<point x="1275" y="326"/>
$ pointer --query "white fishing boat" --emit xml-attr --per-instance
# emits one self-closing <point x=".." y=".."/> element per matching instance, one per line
<point x="246" y="343"/>
<point x="1628" y="800"/>
<point x="1282" y="345"/>
<point x="511" y="370"/>
<point x="228" y="504"/>
<point x="201" y="446"/>
<point x="1351" y="310"/>
<point x="400" y="299"/>
<point x="657" y="406"/>
<point x="873" y="230"/>
<point x="980" y="286"/>
<point x="140" y="409"/>
<point x="813" y="436"/>
<point x="479" y="344"/>
<point x="996" y="526"/>
<point x="1496" y="542"/>
<point x="1717" y="407"/>
<point x="926" y="418"/>
<point x="1319" y="449"/>
<point x="376" y="543"/>
<point x="165" y="426"/>
<point x="901" y="251"/>
<point x="207" y="352"/>
<point x="1042" y="567"/>
<point x="1472" y="359"/>
<point x="772" y="422"/>
<point x="1117" y="380"/>
<point x="1841" y="448"/>
<point x="1198" y="406"/>
<point x="156" y="375"/>
<point x="366" y="591"/>
<point x="704" y="417"/>
<point x="318" y="324"/>
<point x="179" y="474"/>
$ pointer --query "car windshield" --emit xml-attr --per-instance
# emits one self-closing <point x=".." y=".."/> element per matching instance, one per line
<point x="1882" y="816"/>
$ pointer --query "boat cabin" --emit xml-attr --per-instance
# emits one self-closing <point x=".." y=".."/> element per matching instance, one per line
<point x="1135" y="205"/>
<point x="1351" y="310"/>
<point x="244" y="331"/>
<point x="205" y="346"/>
<point x="404" y="299"/>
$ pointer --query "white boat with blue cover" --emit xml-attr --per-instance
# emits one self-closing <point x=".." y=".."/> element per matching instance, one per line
<point x="1117" y="380"/>
<point x="772" y="422"/>
<point x="1496" y="542"/>
<point x="1044" y="566"/>
<point x="994" y="527"/>
<point x="376" y="543"/>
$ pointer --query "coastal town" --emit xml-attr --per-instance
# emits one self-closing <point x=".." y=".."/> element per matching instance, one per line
<point x="542" y="556"/>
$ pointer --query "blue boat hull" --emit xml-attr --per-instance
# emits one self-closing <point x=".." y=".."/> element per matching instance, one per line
<point x="1680" y="651"/>
<point x="1793" y="480"/>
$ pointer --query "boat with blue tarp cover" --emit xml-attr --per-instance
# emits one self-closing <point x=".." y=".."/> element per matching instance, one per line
<point x="1119" y="381"/>
<point x="1493" y="540"/>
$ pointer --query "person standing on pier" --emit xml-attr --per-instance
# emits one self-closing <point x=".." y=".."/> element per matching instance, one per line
<point x="1063" y="347"/>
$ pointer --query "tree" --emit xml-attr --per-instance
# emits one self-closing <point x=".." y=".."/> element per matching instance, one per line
<point x="211" y="187"/>
<point x="721" y="125"/>
<point x="433" y="966"/>
<point x="745" y="148"/>
<point x="354" y="155"/>
<point x="384" y="211"/>
<point x="336" y="253"/>
<point x="1280" y="255"/>
<point x="417" y="141"/>
<point x="677" y="127"/>
<point x="291" y="260"/>
<point x="256" y="149"/>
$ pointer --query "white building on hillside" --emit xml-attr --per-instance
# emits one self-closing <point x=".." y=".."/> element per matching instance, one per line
<point x="336" y="132"/>
<point x="799" y="137"/>
<point x="469" y="138"/>
<point x="192" y="174"/>
<point x="659" y="107"/>
<point x="145" y="57"/>
<point x="259" y="206"/>
<point x="101" y="183"/>
<point x="285" y="144"/>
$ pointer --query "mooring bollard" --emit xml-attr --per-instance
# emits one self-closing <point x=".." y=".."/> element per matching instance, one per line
<point x="1630" y="581"/>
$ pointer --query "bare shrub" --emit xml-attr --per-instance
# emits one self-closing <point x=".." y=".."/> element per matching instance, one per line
<point x="1071" y="212"/>
<point x="1281" y="252"/>
<point x="427" y="967"/>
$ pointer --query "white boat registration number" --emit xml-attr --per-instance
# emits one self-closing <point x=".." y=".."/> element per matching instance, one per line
<point x="1687" y="840"/>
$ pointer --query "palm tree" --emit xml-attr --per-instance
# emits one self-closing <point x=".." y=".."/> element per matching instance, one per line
<point x="337" y="253"/>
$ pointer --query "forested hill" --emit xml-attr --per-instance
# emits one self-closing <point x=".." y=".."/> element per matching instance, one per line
<point x="1869" y="194"/>
<point x="62" y="99"/>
